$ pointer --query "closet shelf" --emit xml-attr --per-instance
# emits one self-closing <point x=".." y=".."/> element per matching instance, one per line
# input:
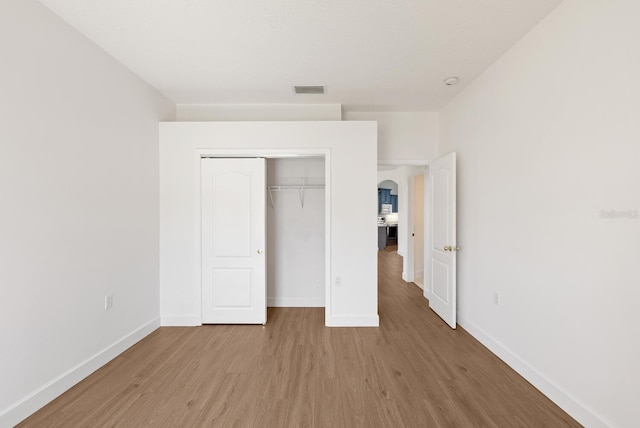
<point x="300" y="188"/>
<point x="278" y="188"/>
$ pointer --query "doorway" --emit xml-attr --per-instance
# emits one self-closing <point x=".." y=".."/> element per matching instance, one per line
<point x="403" y="175"/>
<point x="418" y="229"/>
<point x="430" y="260"/>
<point x="388" y="215"/>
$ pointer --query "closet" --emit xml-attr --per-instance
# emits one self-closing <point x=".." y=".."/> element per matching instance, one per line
<point x="295" y="232"/>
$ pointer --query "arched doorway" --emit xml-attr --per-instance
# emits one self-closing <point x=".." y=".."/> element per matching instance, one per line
<point x="388" y="219"/>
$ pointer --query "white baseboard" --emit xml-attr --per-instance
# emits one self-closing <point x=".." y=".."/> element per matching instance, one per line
<point x="295" y="302"/>
<point x="565" y="401"/>
<point x="180" y="321"/>
<point x="404" y="277"/>
<point x="37" y="399"/>
<point x="353" y="321"/>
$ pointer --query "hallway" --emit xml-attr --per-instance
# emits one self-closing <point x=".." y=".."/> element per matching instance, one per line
<point x="412" y="371"/>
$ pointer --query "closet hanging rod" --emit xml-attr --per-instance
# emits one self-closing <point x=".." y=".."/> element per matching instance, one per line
<point x="296" y="187"/>
<point x="299" y="188"/>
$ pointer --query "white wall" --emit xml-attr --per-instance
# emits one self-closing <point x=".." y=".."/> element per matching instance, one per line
<point x="257" y="112"/>
<point x="403" y="136"/>
<point x="547" y="138"/>
<point x="79" y="217"/>
<point x="295" y="234"/>
<point x="352" y="254"/>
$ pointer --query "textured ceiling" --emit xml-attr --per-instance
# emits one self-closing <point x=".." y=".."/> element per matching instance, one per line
<point x="371" y="54"/>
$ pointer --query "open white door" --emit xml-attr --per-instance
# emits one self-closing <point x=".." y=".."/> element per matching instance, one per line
<point x="442" y="229"/>
<point x="233" y="241"/>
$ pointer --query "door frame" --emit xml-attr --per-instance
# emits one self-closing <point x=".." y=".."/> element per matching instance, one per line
<point x="405" y="192"/>
<point x="411" y="262"/>
<point x="267" y="154"/>
<point x="426" y="282"/>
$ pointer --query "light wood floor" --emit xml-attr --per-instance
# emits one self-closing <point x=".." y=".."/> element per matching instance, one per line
<point x="413" y="371"/>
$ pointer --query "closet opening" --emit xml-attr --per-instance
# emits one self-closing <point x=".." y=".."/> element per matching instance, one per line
<point x="296" y="232"/>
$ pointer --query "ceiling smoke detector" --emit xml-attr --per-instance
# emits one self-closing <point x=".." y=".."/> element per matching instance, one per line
<point x="318" y="90"/>
<point x="450" y="81"/>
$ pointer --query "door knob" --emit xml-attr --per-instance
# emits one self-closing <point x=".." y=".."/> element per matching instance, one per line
<point x="457" y="248"/>
<point x="260" y="251"/>
<point x="447" y="248"/>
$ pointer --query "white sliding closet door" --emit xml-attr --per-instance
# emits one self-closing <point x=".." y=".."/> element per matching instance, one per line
<point x="233" y="241"/>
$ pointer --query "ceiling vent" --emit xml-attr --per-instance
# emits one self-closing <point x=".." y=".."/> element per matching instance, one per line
<point x="319" y="90"/>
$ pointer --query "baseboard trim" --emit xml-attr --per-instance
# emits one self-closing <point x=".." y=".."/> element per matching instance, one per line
<point x="180" y="321"/>
<point x="556" y="394"/>
<point x="353" y="321"/>
<point x="295" y="302"/>
<point x="37" y="399"/>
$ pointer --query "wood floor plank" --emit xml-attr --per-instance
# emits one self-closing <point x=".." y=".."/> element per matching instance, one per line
<point x="412" y="371"/>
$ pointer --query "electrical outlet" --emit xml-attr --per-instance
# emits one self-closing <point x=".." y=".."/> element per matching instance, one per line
<point x="496" y="298"/>
<point x="338" y="281"/>
<point x="108" y="302"/>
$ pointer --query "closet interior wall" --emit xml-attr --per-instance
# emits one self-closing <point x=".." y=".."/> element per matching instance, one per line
<point x="296" y="232"/>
